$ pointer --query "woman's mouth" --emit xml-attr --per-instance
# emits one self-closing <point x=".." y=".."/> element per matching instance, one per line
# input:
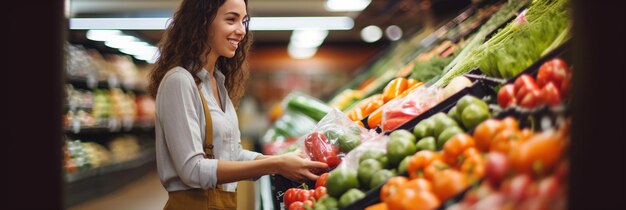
<point x="233" y="43"/>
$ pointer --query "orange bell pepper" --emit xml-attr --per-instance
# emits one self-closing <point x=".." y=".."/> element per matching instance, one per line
<point x="411" y="82"/>
<point x="411" y="88"/>
<point x="375" y="102"/>
<point x="473" y="166"/>
<point x="356" y="114"/>
<point x="436" y="166"/>
<point x="394" y="88"/>
<point x="376" y="117"/>
<point x="358" y="122"/>
<point x="407" y="198"/>
<point x="378" y="206"/>
<point x="392" y="186"/>
<point x="455" y="146"/>
<point x="448" y="183"/>
<point x="419" y="161"/>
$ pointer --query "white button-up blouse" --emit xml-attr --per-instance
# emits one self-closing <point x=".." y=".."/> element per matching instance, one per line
<point x="180" y="132"/>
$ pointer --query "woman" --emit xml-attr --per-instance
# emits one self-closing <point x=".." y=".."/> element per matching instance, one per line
<point x="200" y="68"/>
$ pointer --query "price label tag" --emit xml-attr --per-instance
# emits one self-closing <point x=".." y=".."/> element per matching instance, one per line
<point x="92" y="80"/>
<point x="113" y="82"/>
<point x="75" y="126"/>
<point x="72" y="103"/>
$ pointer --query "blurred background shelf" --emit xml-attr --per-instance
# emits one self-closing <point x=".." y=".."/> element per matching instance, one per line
<point x="91" y="183"/>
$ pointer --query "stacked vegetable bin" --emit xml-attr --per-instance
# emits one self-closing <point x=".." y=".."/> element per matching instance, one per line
<point x="488" y="128"/>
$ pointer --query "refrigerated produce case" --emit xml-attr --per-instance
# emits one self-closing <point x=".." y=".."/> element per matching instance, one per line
<point x="108" y="124"/>
<point x="532" y="120"/>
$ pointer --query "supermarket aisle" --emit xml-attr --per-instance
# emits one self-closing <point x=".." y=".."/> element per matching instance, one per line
<point x="145" y="193"/>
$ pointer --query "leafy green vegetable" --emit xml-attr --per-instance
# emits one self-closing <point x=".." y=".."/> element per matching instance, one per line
<point x="514" y="47"/>
<point x="424" y="71"/>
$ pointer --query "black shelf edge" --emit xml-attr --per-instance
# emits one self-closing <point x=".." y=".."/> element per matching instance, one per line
<point x="105" y="129"/>
<point x="87" y="83"/>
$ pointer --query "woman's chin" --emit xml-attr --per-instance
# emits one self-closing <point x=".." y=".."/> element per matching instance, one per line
<point x="230" y="55"/>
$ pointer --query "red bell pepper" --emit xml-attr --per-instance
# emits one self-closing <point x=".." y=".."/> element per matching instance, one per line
<point x="319" y="149"/>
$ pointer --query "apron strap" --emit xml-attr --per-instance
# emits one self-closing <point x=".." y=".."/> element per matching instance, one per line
<point x="208" y="140"/>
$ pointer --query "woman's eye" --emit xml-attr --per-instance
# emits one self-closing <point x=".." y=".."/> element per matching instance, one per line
<point x="231" y="19"/>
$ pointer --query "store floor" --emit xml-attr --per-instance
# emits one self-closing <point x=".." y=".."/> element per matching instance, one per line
<point x="147" y="194"/>
<point x="144" y="193"/>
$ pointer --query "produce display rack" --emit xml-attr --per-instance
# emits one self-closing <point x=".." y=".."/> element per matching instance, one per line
<point x="85" y="185"/>
<point x="484" y="87"/>
<point x="90" y="83"/>
<point x="89" y="183"/>
<point x="537" y="118"/>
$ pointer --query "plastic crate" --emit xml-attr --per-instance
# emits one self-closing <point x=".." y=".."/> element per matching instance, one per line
<point x="280" y="185"/>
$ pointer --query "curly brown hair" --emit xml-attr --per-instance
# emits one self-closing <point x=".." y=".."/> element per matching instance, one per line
<point x="185" y="43"/>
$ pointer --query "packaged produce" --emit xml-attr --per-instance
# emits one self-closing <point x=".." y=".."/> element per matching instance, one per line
<point x="396" y="113"/>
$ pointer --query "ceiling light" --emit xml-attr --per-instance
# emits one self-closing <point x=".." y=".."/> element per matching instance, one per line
<point x="149" y="57"/>
<point x="102" y="35"/>
<point x="393" y="32"/>
<point x="256" y="23"/>
<point x="346" y="5"/>
<point x="371" y="33"/>
<point x="308" y="38"/>
<point x="301" y="52"/>
<point x="119" y="23"/>
<point x="120" y="41"/>
<point x="295" y="23"/>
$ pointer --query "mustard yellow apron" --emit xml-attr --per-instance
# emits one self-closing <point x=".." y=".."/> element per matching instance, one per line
<point x="199" y="198"/>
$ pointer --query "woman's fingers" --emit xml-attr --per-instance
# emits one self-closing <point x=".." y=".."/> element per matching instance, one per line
<point x="310" y="175"/>
<point x="317" y="164"/>
<point x="301" y="154"/>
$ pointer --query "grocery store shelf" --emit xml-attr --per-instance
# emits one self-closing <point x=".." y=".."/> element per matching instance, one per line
<point x="90" y="83"/>
<point x="145" y="157"/>
<point x="109" y="129"/>
<point x="88" y="184"/>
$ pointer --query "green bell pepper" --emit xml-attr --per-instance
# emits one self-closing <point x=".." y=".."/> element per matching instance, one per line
<point x="350" y="197"/>
<point x="341" y="180"/>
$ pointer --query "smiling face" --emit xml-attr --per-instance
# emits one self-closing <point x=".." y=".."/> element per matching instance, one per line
<point x="228" y="28"/>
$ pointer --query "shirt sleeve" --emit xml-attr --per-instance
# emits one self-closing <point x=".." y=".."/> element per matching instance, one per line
<point x="178" y="115"/>
<point x="247" y="155"/>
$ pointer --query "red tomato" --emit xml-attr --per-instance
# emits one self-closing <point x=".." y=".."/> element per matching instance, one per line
<point x="296" y="205"/>
<point x="566" y="84"/>
<point x="303" y="195"/>
<point x="554" y="70"/>
<point x="308" y="203"/>
<point x="524" y="85"/>
<point x="506" y="96"/>
<point x="290" y="196"/>
<point x="319" y="192"/>
<point x="497" y="167"/>
<point x="531" y="99"/>
<point x="549" y="187"/>
<point x="517" y="187"/>
<point x="321" y="181"/>
<point x="550" y="94"/>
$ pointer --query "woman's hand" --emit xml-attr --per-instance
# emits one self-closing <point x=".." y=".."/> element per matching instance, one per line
<point x="295" y="166"/>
